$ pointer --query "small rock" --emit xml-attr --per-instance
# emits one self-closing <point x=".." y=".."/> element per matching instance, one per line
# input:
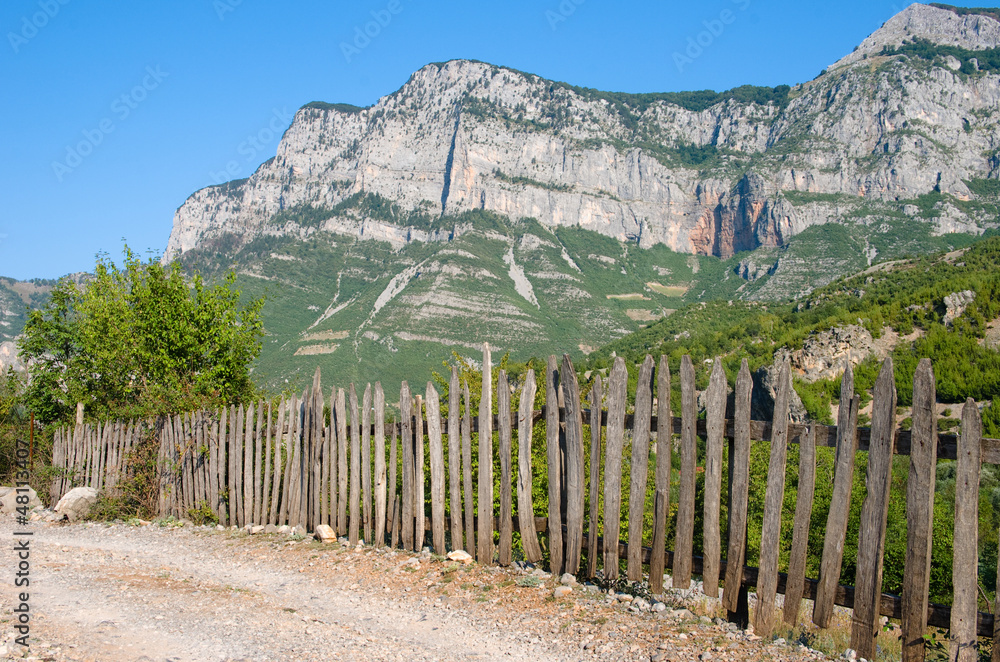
<point x="284" y="529"/>
<point x="850" y="654"/>
<point x="705" y="656"/>
<point x="625" y="597"/>
<point x="562" y="591"/>
<point x="270" y="528"/>
<point x="461" y="556"/>
<point x="219" y="527"/>
<point x="9" y="504"/>
<point x="567" y="579"/>
<point x="76" y="503"/>
<point x="325" y="534"/>
<point x="659" y="606"/>
<point x="254" y="530"/>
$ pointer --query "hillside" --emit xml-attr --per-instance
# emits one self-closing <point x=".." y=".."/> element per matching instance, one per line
<point x="479" y="203"/>
<point x="16" y="299"/>
<point x="945" y="307"/>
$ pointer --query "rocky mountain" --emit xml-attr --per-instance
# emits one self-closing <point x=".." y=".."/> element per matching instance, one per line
<point x="16" y="299"/>
<point x="461" y="207"/>
<point x="705" y="174"/>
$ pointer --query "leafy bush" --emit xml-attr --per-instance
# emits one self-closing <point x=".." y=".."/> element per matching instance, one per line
<point x="139" y="340"/>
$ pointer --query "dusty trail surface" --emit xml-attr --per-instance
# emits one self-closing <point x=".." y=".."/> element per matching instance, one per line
<point x="120" y="592"/>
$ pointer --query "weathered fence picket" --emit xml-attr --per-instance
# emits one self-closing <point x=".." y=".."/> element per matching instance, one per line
<point x="296" y="466"/>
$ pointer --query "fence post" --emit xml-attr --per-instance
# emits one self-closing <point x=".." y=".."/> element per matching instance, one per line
<point x="715" y="414"/>
<point x="639" y="470"/>
<point x="595" y="475"/>
<point x="795" y="586"/>
<point x="554" y="465"/>
<point x="919" y="513"/>
<point x="965" y="580"/>
<point x="525" y="507"/>
<point x="378" y="537"/>
<point x="770" y="541"/>
<point x="484" y="546"/>
<point x="617" y="384"/>
<point x="436" y="449"/>
<point x="661" y="501"/>
<point x="685" y="500"/>
<point x="840" y="502"/>
<point x="505" y="549"/>
<point x="874" y="513"/>
<point x="455" y="460"/>
<point x="573" y="468"/>
<point x="470" y="520"/>
<point x="734" y="596"/>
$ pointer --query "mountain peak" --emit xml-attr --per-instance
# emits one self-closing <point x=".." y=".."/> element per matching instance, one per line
<point x="973" y="29"/>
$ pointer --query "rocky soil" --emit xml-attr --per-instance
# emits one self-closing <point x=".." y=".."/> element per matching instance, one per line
<point x="122" y="592"/>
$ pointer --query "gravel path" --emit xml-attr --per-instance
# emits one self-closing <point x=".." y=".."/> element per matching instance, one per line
<point x="120" y="592"/>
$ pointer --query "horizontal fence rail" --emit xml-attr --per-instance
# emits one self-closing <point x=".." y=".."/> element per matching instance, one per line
<point x="310" y="460"/>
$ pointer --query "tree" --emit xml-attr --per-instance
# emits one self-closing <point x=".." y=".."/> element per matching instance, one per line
<point x="140" y="340"/>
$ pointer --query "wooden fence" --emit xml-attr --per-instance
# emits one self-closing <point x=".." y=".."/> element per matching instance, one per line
<point x="300" y="467"/>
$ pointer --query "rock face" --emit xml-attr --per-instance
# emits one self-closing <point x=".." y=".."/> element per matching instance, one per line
<point x="765" y="382"/>
<point x="8" y="356"/>
<point x="824" y="354"/>
<point x="955" y="304"/>
<point x="76" y="504"/>
<point x="944" y="26"/>
<point x="734" y="176"/>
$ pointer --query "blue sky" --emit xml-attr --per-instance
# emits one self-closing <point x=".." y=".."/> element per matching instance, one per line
<point x="113" y="113"/>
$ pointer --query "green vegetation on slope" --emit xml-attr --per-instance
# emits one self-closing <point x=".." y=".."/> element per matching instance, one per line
<point x="988" y="59"/>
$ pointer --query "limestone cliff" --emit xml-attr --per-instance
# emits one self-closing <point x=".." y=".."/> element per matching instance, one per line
<point x="751" y="169"/>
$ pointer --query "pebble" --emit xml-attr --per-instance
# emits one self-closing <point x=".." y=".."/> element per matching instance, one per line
<point x="562" y="591"/>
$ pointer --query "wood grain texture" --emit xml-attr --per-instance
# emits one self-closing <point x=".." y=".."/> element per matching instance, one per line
<point x="553" y="456"/>
<point x="505" y="550"/>
<point x="436" y="449"/>
<point x="840" y="502"/>
<point x="235" y="458"/>
<point x="638" y="473"/>
<point x="342" y="472"/>
<point x="525" y="505"/>
<point x="328" y="489"/>
<point x="393" y="489"/>
<point x="965" y="559"/>
<point x="419" y="498"/>
<point x="795" y="586"/>
<point x="574" y="486"/>
<point x="774" y="495"/>
<point x="354" y="495"/>
<point x="286" y="490"/>
<point x="874" y="515"/>
<point x="258" y="466"/>
<point x="470" y="521"/>
<point x="246" y="508"/>
<point x="455" y="460"/>
<point x="366" y="463"/>
<point x="739" y="490"/>
<point x="919" y="513"/>
<point x="406" y="448"/>
<point x="661" y="479"/>
<point x="685" y="499"/>
<point x="594" y="493"/>
<point x="272" y="516"/>
<point x="265" y="494"/>
<point x="484" y="545"/>
<point x="617" y="384"/>
<point x="378" y="535"/>
<point x="715" y="414"/>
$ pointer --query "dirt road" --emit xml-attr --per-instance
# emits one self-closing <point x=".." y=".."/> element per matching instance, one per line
<point x="120" y="592"/>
